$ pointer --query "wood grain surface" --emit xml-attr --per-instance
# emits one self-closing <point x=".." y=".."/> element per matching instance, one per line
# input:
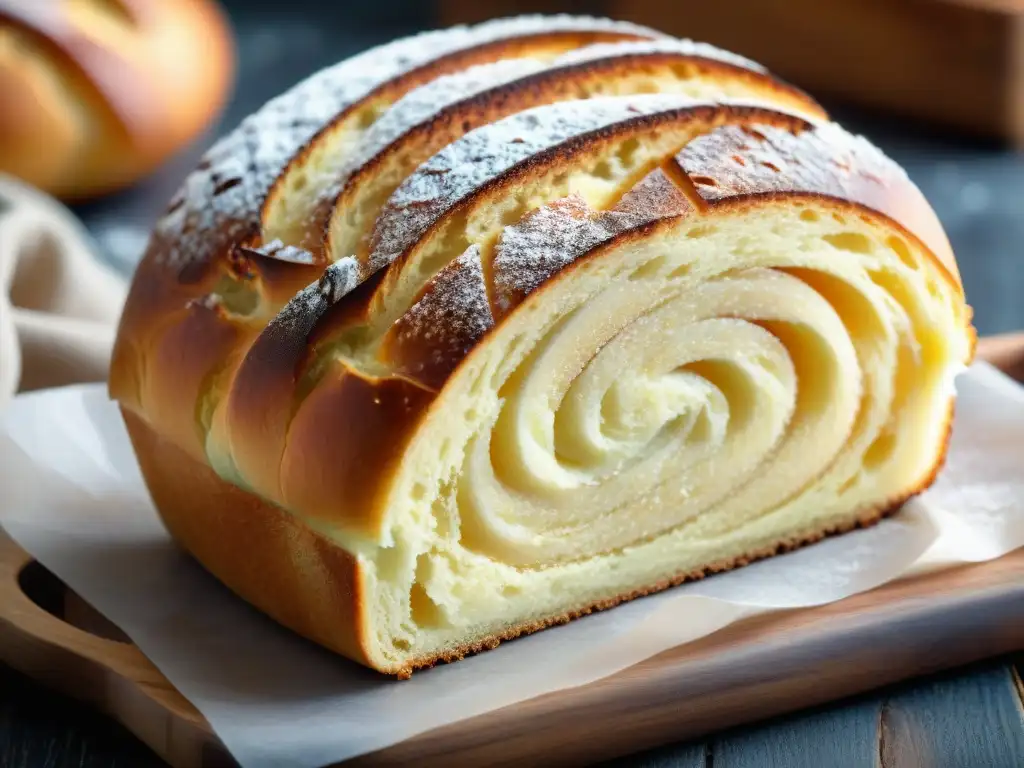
<point x="973" y="719"/>
<point x="934" y="725"/>
<point x="39" y="728"/>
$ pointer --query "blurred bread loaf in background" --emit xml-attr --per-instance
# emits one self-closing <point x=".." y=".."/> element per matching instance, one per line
<point x="95" y="94"/>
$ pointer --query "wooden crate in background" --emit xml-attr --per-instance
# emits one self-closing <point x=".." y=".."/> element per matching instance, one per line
<point x="957" y="63"/>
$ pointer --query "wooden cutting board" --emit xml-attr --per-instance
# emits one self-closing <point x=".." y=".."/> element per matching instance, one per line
<point x="754" y="669"/>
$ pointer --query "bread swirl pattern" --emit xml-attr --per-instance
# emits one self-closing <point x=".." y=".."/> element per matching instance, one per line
<point x="584" y="349"/>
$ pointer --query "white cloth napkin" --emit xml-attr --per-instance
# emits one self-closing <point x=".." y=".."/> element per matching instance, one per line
<point x="58" y="304"/>
<point x="74" y="499"/>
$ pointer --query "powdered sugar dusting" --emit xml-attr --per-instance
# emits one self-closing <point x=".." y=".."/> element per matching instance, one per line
<point x="550" y="238"/>
<point x="458" y="294"/>
<point x="486" y="153"/>
<point x="452" y="315"/>
<point x="855" y="147"/>
<point x="219" y="202"/>
<point x="650" y="47"/>
<point x="546" y="240"/>
<point x="425" y="102"/>
<point x="532" y="24"/>
<point x="275" y="249"/>
<point x="765" y="158"/>
<point x="298" y="317"/>
<point x="419" y="106"/>
<point x="656" y="196"/>
<point x="339" y="279"/>
<point x="428" y="101"/>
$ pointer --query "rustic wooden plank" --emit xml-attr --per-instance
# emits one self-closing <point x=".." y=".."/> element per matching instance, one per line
<point x="42" y="729"/>
<point x="838" y="737"/>
<point x="973" y="717"/>
<point x="948" y="722"/>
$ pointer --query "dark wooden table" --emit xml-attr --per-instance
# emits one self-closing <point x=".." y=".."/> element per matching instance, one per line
<point x="969" y="718"/>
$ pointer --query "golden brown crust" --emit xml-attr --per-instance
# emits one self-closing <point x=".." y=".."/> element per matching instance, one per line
<point x="543" y="43"/>
<point x="269" y="273"/>
<point x="449" y="317"/>
<point x="550" y="86"/>
<point x="196" y="344"/>
<point x="93" y="101"/>
<point x="350" y="428"/>
<point x="735" y="162"/>
<point x="696" y="118"/>
<point x="263" y="394"/>
<point x="275" y="562"/>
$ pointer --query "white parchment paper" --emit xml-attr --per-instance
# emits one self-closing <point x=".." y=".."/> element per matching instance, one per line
<point x="72" y="496"/>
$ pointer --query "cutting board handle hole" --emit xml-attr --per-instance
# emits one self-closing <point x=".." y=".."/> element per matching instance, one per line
<point x="52" y="595"/>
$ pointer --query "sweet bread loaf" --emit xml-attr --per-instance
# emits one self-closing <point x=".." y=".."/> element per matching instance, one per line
<point x="495" y="326"/>
<point x="96" y="93"/>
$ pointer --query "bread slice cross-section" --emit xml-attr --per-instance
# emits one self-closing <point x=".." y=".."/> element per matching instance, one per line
<point x="582" y="351"/>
